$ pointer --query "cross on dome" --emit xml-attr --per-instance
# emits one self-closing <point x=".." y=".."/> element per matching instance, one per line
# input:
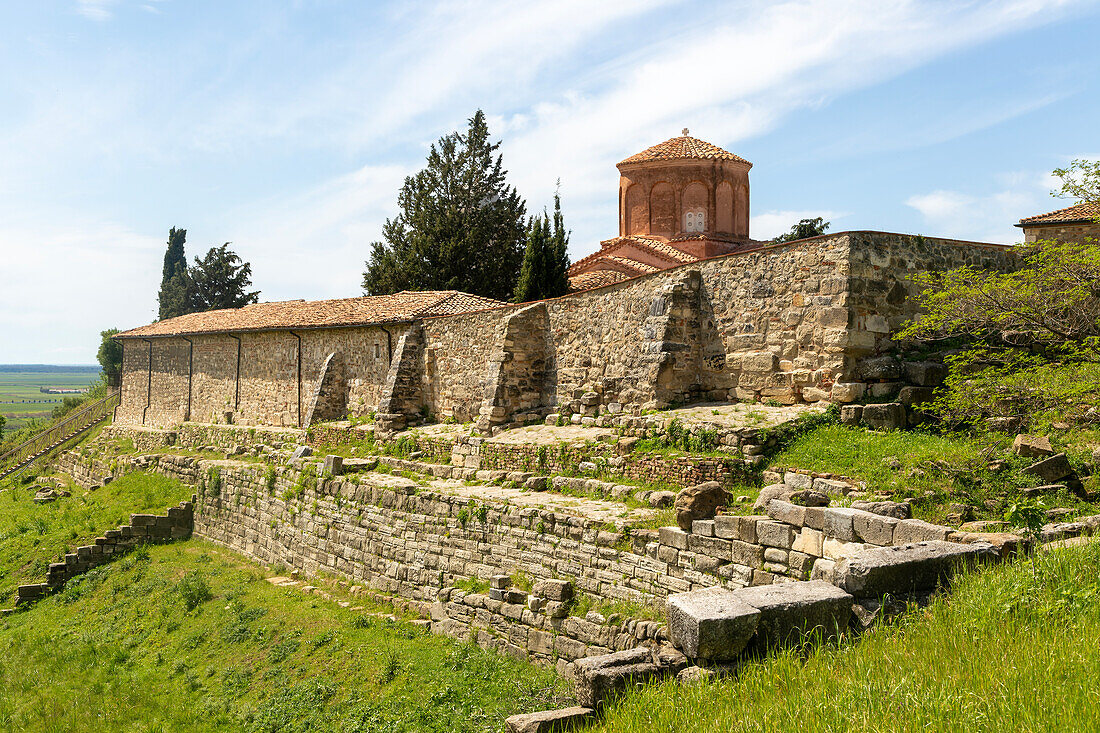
<point x="684" y="132"/>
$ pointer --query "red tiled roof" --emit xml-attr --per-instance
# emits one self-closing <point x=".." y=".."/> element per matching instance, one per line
<point x="1079" y="212"/>
<point x="289" y="314"/>
<point x="658" y="247"/>
<point x="596" y="279"/>
<point x="683" y="147"/>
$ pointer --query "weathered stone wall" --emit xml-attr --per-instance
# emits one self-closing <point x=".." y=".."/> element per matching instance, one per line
<point x="787" y="322"/>
<point x="353" y="364"/>
<point x="882" y="291"/>
<point x="1062" y="232"/>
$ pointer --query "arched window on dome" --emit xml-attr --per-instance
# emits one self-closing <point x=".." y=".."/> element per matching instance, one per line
<point x="695" y="220"/>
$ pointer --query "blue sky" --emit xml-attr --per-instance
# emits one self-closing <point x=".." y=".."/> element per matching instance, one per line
<point x="287" y="128"/>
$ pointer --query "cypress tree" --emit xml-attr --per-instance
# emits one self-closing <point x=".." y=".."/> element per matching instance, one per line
<point x="545" y="258"/>
<point x="172" y="299"/>
<point x="460" y="227"/>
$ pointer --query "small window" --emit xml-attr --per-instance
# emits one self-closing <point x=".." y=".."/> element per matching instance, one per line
<point x="695" y="221"/>
<point x="378" y="351"/>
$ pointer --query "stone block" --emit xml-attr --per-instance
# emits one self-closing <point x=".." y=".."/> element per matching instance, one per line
<point x="599" y="676"/>
<point x="925" y="373"/>
<point x="704" y="527"/>
<point x="710" y="546"/>
<point x="500" y="582"/>
<point x="895" y="509"/>
<point x="809" y="541"/>
<point x="747" y="554"/>
<point x="874" y="529"/>
<point x="832" y="486"/>
<point x="790" y="611"/>
<point x="710" y="624"/>
<point x="839" y="525"/>
<point x="334" y="465"/>
<point x="846" y="391"/>
<point x="1032" y="446"/>
<point x="727" y="526"/>
<point x="851" y="414"/>
<point x="699" y="502"/>
<point x="760" y="361"/>
<point x="784" y="511"/>
<point x="772" y="491"/>
<point x="774" y="534"/>
<point x="1051" y="469"/>
<point x="835" y="549"/>
<point x="910" y="396"/>
<point x="880" y="368"/>
<point x="673" y="537"/>
<point x="884" y="416"/>
<point x="916" y="530"/>
<point x="549" y="721"/>
<point x="796" y="481"/>
<point x="554" y="590"/>
<point x="814" y="517"/>
<point x="905" y="569"/>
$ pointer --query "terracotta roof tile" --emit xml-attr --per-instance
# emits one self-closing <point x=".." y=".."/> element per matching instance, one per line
<point x="683" y="147"/>
<point x="403" y="306"/>
<point x="1079" y="212"/>
<point x="596" y="279"/>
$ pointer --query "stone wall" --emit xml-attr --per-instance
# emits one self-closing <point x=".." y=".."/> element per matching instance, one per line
<point x="1062" y="232"/>
<point x="786" y="322"/>
<point x="342" y="371"/>
<point x="175" y="524"/>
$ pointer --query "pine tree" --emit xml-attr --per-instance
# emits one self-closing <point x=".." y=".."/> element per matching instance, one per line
<point x="172" y="298"/>
<point x="219" y="280"/>
<point x="546" y="259"/>
<point x="460" y="227"/>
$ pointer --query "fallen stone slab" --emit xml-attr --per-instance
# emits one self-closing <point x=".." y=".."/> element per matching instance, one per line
<point x="1052" y="469"/>
<point x="790" y="611"/>
<point x="710" y="624"/>
<point x="600" y="676"/>
<point x="904" y="569"/>
<point x="1032" y="446"/>
<point x="549" y="721"/>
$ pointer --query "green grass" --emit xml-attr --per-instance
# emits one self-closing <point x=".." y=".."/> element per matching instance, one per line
<point x="120" y="651"/>
<point x="1012" y="648"/>
<point x="934" y="469"/>
<point x="34" y="535"/>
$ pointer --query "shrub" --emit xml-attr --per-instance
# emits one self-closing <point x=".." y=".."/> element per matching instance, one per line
<point x="194" y="590"/>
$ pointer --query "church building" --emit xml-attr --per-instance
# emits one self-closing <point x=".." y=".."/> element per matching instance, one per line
<point x="680" y="201"/>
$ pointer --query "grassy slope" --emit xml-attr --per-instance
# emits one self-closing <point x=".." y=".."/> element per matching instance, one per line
<point x="1013" y="648"/>
<point x="34" y="535"/>
<point x="953" y="469"/>
<point x="119" y="651"/>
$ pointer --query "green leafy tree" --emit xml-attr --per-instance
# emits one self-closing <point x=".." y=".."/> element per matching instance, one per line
<point x="461" y="225"/>
<point x="544" y="273"/>
<point x="1026" y="342"/>
<point x="220" y="280"/>
<point x="1080" y="181"/>
<point x="804" y="229"/>
<point x="173" y="297"/>
<point x="3" y="422"/>
<point x="109" y="355"/>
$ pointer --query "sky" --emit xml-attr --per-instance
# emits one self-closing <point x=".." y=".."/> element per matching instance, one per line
<point x="288" y="128"/>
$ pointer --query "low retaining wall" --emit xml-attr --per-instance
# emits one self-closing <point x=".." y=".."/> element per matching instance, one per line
<point x="143" y="529"/>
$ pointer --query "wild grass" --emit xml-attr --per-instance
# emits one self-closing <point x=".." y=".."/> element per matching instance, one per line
<point x="190" y="637"/>
<point x="1011" y="648"/>
<point x="34" y="535"/>
<point x="933" y="469"/>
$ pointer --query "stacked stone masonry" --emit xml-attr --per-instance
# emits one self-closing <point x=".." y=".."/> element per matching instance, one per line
<point x="176" y="524"/>
<point x="788" y="323"/>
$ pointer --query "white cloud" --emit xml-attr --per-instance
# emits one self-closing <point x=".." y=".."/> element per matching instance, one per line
<point x="96" y="9"/>
<point x="985" y="217"/>
<point x="771" y="224"/>
<point x="79" y="278"/>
